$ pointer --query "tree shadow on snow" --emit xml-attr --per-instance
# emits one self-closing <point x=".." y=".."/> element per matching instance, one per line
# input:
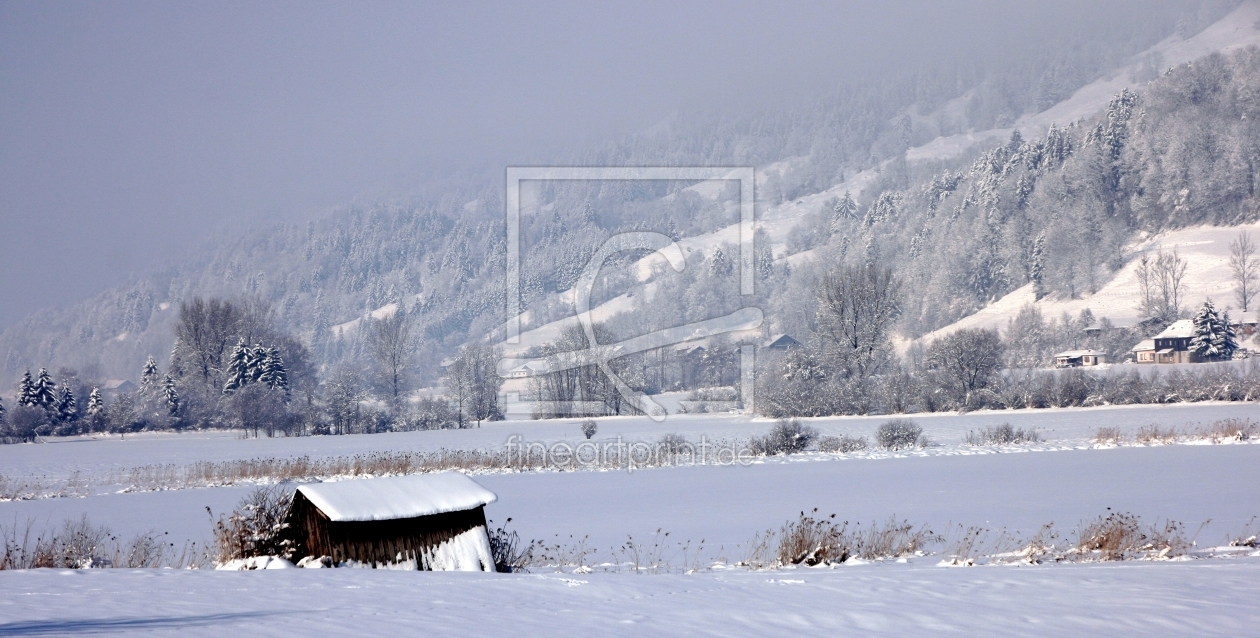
<point x="104" y="625"/>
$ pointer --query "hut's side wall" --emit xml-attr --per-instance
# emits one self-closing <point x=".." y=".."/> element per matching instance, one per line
<point x="373" y="542"/>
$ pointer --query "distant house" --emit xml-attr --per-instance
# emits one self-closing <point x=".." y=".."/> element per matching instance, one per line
<point x="423" y="521"/>
<point x="781" y="342"/>
<point x="1144" y="352"/>
<point x="1078" y="358"/>
<point x="1244" y="328"/>
<point x="1173" y="344"/>
<point x="114" y="387"/>
<point x="689" y="350"/>
<point x="527" y="369"/>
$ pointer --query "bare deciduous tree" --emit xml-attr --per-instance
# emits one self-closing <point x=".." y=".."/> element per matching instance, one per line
<point x="1161" y="285"/>
<point x="473" y="384"/>
<point x="1246" y="267"/>
<point x="857" y="308"/>
<point x="204" y="332"/>
<point x="390" y="342"/>
<point x="967" y="358"/>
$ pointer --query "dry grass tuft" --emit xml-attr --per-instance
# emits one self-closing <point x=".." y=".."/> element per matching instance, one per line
<point x="1121" y="536"/>
<point x="1153" y="433"/>
<point x="1109" y="435"/>
<point x="1229" y="430"/>
<point x="78" y="544"/>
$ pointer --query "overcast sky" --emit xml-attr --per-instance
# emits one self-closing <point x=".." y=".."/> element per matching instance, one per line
<point x="127" y="130"/>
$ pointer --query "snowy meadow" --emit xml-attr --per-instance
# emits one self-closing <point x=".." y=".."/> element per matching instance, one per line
<point x="968" y="531"/>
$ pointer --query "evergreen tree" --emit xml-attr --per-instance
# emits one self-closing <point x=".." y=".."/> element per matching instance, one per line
<point x="172" y="395"/>
<point x="1213" y="338"/>
<point x="273" y="372"/>
<point x="67" y="407"/>
<point x="844" y="209"/>
<point x="44" y="391"/>
<point x="237" y="373"/>
<point x="254" y="363"/>
<point x="96" y="405"/>
<point x="148" y="377"/>
<point x="1" y="414"/>
<point x="26" y="390"/>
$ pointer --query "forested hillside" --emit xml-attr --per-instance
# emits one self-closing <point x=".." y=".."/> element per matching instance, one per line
<point x="1056" y="209"/>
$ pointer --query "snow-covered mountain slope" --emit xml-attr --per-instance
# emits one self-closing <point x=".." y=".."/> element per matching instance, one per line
<point x="1205" y="250"/>
<point x="1237" y="29"/>
<point x="1240" y="28"/>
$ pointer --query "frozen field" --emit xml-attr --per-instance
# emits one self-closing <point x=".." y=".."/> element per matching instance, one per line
<point x="713" y="511"/>
<point x="99" y="456"/>
<point x="1199" y="598"/>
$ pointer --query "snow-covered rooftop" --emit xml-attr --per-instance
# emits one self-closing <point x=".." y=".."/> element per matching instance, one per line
<point x="1178" y="329"/>
<point x="1079" y="353"/>
<point x="1145" y="344"/>
<point x="383" y="499"/>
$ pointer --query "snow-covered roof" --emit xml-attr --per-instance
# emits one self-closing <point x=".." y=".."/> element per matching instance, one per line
<point x="1179" y="329"/>
<point x="1080" y="353"/>
<point x="1145" y="344"/>
<point x="394" y="497"/>
<point x="781" y="340"/>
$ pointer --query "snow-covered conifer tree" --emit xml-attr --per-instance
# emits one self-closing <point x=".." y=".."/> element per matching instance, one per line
<point x="44" y="391"/>
<point x="172" y="394"/>
<point x="96" y="405"/>
<point x="148" y="377"/>
<point x="26" y="390"/>
<point x="274" y="373"/>
<point x="67" y="407"/>
<point x="237" y="374"/>
<point x="1213" y="338"/>
<point x="844" y="209"/>
<point x="254" y="363"/>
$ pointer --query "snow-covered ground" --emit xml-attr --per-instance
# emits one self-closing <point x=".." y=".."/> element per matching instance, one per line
<point x="1185" y="599"/>
<point x="712" y="511"/>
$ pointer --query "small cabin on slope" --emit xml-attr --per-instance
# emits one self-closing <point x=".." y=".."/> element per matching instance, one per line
<point x="424" y="521"/>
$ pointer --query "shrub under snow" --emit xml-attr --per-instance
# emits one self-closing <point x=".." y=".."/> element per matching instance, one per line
<point x="899" y="434"/>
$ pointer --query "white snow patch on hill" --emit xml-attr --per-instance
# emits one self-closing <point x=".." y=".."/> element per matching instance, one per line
<point x="1205" y="250"/>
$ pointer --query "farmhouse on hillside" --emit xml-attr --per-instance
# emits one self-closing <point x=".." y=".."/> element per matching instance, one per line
<point x="1170" y="346"/>
<point x="1078" y="358"/>
<point x="424" y="521"/>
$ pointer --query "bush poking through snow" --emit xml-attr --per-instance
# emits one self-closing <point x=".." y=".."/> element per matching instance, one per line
<point x="674" y="445"/>
<point x="1108" y="435"/>
<point x="842" y="444"/>
<point x="589" y="428"/>
<point x="900" y="434"/>
<point x="255" y="528"/>
<point x="820" y="541"/>
<point x="1004" y="434"/>
<point x="788" y="436"/>
<point x="1120" y="536"/>
<point x="505" y="547"/>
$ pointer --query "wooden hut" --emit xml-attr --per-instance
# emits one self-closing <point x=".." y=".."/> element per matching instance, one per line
<point x="423" y="521"/>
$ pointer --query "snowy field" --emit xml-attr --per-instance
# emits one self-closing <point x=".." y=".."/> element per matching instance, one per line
<point x="1180" y="599"/>
<point x="712" y="514"/>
